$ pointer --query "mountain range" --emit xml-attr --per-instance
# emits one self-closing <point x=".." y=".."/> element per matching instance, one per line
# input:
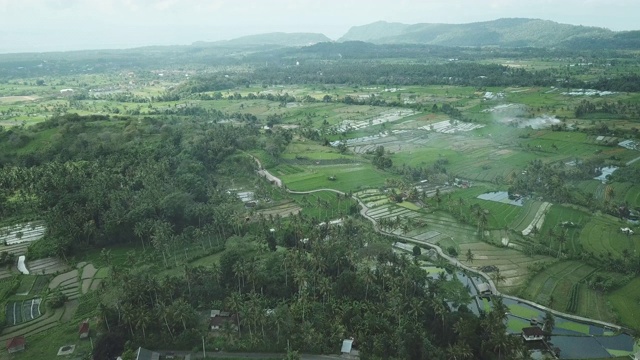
<point x="507" y="33"/>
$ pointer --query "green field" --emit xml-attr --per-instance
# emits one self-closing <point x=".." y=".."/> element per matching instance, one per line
<point x="626" y="303"/>
<point x="602" y="236"/>
<point x="556" y="280"/>
<point x="348" y="177"/>
<point x="559" y="214"/>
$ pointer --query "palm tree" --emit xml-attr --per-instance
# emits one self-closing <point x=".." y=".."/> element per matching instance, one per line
<point x="143" y="321"/>
<point x="609" y="193"/>
<point x="562" y="238"/>
<point x="470" y="256"/>
<point x="459" y="351"/>
<point x="235" y="303"/>
<point x="183" y="311"/>
<point x="128" y="314"/>
<point x="498" y="277"/>
<point x="548" y="323"/>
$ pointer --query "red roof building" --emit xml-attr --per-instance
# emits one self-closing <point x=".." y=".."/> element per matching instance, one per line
<point x="83" y="331"/>
<point x="16" y="344"/>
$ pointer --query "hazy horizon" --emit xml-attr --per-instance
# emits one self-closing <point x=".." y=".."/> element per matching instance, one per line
<point x="65" y="25"/>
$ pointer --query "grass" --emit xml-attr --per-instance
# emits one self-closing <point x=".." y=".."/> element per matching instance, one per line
<point x="515" y="325"/>
<point x="26" y="284"/>
<point x="349" y="177"/>
<point x="409" y="205"/>
<point x="49" y="341"/>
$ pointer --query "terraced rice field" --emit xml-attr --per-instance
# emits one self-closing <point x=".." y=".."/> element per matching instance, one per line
<point x="561" y="214"/>
<point x="603" y="236"/>
<point x="556" y="282"/>
<point x="538" y="219"/>
<point x="627" y="192"/>
<point x="285" y="209"/>
<point x="88" y="272"/>
<point x="440" y="228"/>
<point x="22" y="233"/>
<point x="513" y="264"/>
<point x="625" y="303"/>
<point x="36" y="326"/>
<point x="18" y="312"/>
<point x="526" y="215"/>
<point x="46" y="266"/>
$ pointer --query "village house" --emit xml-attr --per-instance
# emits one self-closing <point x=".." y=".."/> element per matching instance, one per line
<point x="83" y="330"/>
<point x="144" y="354"/>
<point x="484" y="289"/>
<point x="219" y="318"/>
<point x="16" y="344"/>
<point x="533" y="333"/>
<point x="348" y="349"/>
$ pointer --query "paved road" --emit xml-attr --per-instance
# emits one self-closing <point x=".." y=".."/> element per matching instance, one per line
<point x="364" y="210"/>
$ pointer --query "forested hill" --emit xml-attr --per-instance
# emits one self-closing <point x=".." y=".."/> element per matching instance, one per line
<point x="516" y="32"/>
<point x="276" y="38"/>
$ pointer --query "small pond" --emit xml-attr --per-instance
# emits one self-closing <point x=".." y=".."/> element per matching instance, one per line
<point x="606" y="171"/>
<point x="501" y="197"/>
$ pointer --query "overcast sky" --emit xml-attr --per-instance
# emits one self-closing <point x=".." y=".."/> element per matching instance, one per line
<point x="58" y="25"/>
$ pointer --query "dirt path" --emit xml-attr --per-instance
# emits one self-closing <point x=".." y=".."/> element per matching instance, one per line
<point x="632" y="161"/>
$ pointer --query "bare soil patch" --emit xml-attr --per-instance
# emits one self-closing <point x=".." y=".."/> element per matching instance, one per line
<point x="12" y="99"/>
<point x="89" y="271"/>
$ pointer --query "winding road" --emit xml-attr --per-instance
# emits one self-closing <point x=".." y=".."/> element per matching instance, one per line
<point x="364" y="210"/>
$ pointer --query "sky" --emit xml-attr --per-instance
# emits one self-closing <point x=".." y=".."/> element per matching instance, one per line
<point x="61" y="25"/>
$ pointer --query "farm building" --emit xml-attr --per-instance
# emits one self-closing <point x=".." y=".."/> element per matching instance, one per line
<point x="220" y="318"/>
<point x="627" y="231"/>
<point x="83" y="330"/>
<point x="533" y="333"/>
<point x="144" y="354"/>
<point x="484" y="289"/>
<point x="348" y="349"/>
<point x="66" y="92"/>
<point x="16" y="344"/>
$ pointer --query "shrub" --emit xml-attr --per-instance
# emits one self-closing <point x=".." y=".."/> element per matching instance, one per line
<point x="452" y="251"/>
<point x="56" y="299"/>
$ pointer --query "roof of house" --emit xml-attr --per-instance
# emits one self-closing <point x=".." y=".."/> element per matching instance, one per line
<point x="16" y="342"/>
<point x="84" y="327"/>
<point x="144" y="354"/>
<point x="347" y="345"/>
<point x="483" y="287"/>
<point x="219" y="320"/>
<point x="532" y="331"/>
